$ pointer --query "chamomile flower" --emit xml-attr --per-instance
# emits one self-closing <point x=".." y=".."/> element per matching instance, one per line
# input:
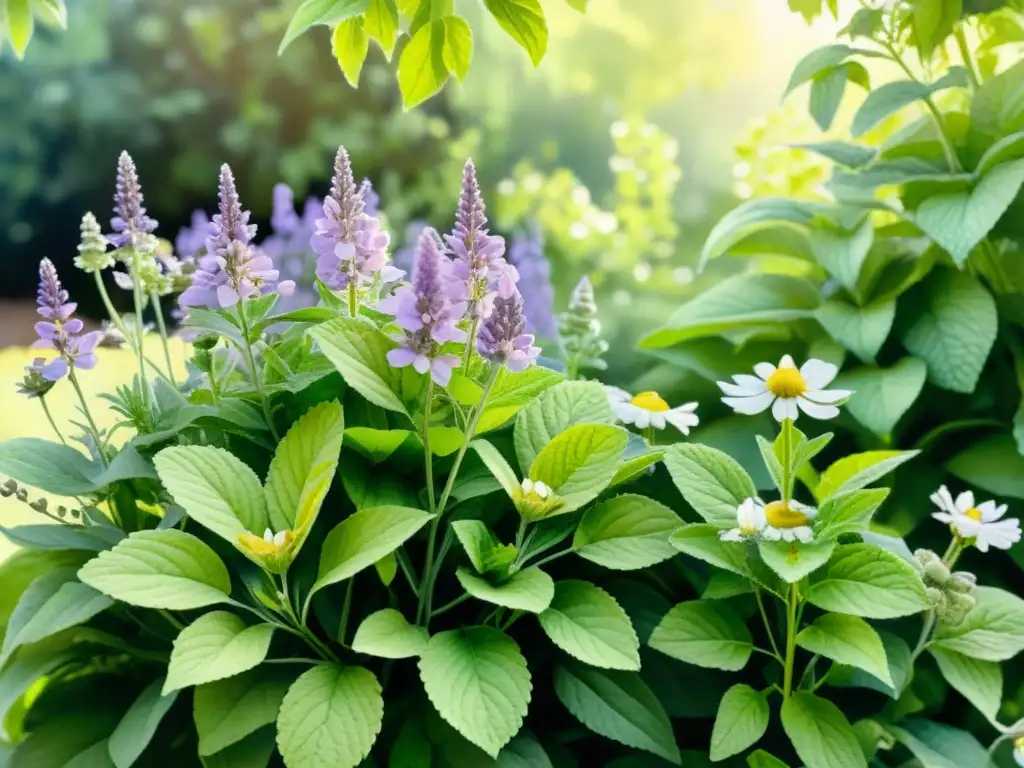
<point x="788" y="521"/>
<point x="982" y="522"/>
<point x="784" y="388"/>
<point x="750" y="521"/>
<point x="648" y="409"/>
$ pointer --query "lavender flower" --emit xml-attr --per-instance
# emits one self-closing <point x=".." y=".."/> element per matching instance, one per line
<point x="526" y="254"/>
<point x="501" y="338"/>
<point x="371" y="200"/>
<point x="405" y="257"/>
<point x="192" y="239"/>
<point x="59" y="330"/>
<point x="130" y="223"/>
<point x="349" y="243"/>
<point x="288" y="245"/>
<point x="283" y="219"/>
<point x="426" y="315"/>
<point x="92" y="251"/>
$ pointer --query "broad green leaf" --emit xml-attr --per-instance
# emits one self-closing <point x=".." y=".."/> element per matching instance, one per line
<point x="827" y="91"/>
<point x="68" y="604"/>
<point x="303" y="468"/>
<point x="421" y="71"/>
<point x="724" y="584"/>
<point x="848" y="640"/>
<point x="20" y="569"/>
<point x="958" y="221"/>
<point x="512" y="392"/>
<point x="997" y="108"/>
<point x="850" y="155"/>
<point x="754" y="215"/>
<point x="953" y="328"/>
<point x="313" y="12"/>
<point x="618" y="706"/>
<point x="993" y="464"/>
<point x="580" y="462"/>
<point x="863" y="580"/>
<point x="933" y="22"/>
<point x="992" y="631"/>
<point x="529" y="590"/>
<point x="57" y="537"/>
<point x="376" y="444"/>
<point x="761" y="759"/>
<point x="636" y="467"/>
<point x="330" y="717"/>
<point x="706" y="633"/>
<point x="459" y="670"/>
<point x="892" y="97"/>
<point x="254" y="751"/>
<point x="742" y="720"/>
<point x="458" y="46"/>
<point x="862" y="330"/>
<point x="793" y="561"/>
<point x="586" y="622"/>
<point x="388" y="635"/>
<point x="136" y="729"/>
<point x="554" y="411"/>
<point x="711" y="481"/>
<point x="941" y="746"/>
<point x="525" y="23"/>
<point x="50" y="467"/>
<point x="215" y="646"/>
<point x="842" y="253"/>
<point x="820" y="733"/>
<point x="898" y="662"/>
<point x="1007" y="148"/>
<point x="363" y="538"/>
<point x="702" y="541"/>
<point x="227" y="711"/>
<point x="500" y="468"/>
<point x="215" y="488"/>
<point x="859" y="470"/>
<point x="849" y="512"/>
<point x="817" y="62"/>
<point x="883" y="394"/>
<point x="19" y="25"/>
<point x="626" y="533"/>
<point x="160" y="569"/>
<point x="359" y="350"/>
<point x="381" y="23"/>
<point x="350" y="43"/>
<point x="477" y="541"/>
<point x="978" y="681"/>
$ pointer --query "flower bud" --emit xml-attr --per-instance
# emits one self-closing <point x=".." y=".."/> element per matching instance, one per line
<point x="963" y="581"/>
<point x="936" y="572"/>
<point x="938" y="599"/>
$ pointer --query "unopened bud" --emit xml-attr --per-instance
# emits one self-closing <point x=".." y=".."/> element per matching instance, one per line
<point x="963" y="581"/>
<point x="936" y="572"/>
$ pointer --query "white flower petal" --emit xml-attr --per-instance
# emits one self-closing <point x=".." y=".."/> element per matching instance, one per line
<point x="642" y="419"/>
<point x="816" y="411"/>
<point x="750" y="405"/>
<point x="1001" y="534"/>
<point x="965" y="501"/>
<point x="787" y="362"/>
<point x="803" y="533"/>
<point x="682" y="420"/>
<point x="764" y="370"/>
<point x="967" y="527"/>
<point x="627" y="413"/>
<point x="752" y="384"/>
<point x="784" y="408"/>
<point x="617" y="395"/>
<point x="943" y="517"/>
<point x="735" y="534"/>
<point x="827" y="396"/>
<point x="943" y="500"/>
<point x="658" y="419"/>
<point x="990" y="512"/>
<point x="772" y="534"/>
<point x="818" y="373"/>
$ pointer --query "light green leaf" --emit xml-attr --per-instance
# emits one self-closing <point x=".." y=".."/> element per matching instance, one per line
<point x="227" y="711"/>
<point x="993" y="464"/>
<point x="793" y="561"/>
<point x="50" y="467"/>
<point x="215" y="488"/>
<point x="381" y="23"/>
<point x="706" y="633"/>
<point x="992" y="631"/>
<point x="711" y="481"/>
<point x="842" y="253"/>
<point x="849" y="512"/>
<point x="313" y="12"/>
<point x="817" y="62"/>
<point x="742" y="720"/>
<point x="363" y="538"/>
<point x="848" y="640"/>
<point x="587" y="623"/>
<point x="388" y="635"/>
<point x="529" y="590"/>
<point x="512" y="392"/>
<point x="978" y="681"/>
<point x="52" y="13"/>
<point x="350" y="43"/>
<point x="525" y="23"/>
<point x="458" y="46"/>
<point x="136" y="729"/>
<point x="580" y="462"/>
<point x="941" y="746"/>
<point x="358" y="349"/>
<point x="827" y="91"/>
<point x="19" y="25"/>
<point x="843" y="153"/>
<point x="997" y="108"/>
<point x="883" y="394"/>
<point x="477" y="540"/>
<point x="892" y="97"/>
<point x="635" y="467"/>
<point x="421" y="68"/>
<point x="554" y="411"/>
<point x="626" y="533"/>
<point x="68" y="604"/>
<point x="761" y="759"/>
<point x="500" y="468"/>
<point x="859" y="470"/>
<point x="302" y="469"/>
<point x="618" y="706"/>
<point x="862" y="330"/>
<point x="330" y="717"/>
<point x="864" y="580"/>
<point x="702" y="541"/>
<point x="459" y="670"/>
<point x="376" y="444"/>
<point x="160" y="569"/>
<point x="214" y="646"/>
<point x="933" y="22"/>
<point x="820" y="733"/>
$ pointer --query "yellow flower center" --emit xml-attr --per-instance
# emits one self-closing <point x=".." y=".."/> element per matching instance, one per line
<point x="974" y="513"/>
<point x="779" y="515"/>
<point x="786" y="382"/>
<point x="649" y="401"/>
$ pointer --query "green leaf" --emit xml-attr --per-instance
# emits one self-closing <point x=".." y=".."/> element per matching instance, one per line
<point x="303" y="468"/>
<point x="529" y="590"/>
<point x="892" y="97"/>
<point x="350" y="43"/>
<point x="761" y="759"/>
<point x="358" y="349"/>
<point x="477" y="540"/>
<point x="992" y="631"/>
<point x="43" y="611"/>
<point x="459" y="670"/>
<point x="214" y="646"/>
<point x="136" y="729"/>
<point x="376" y="444"/>
<point x="554" y="411"/>
<point x="215" y="488"/>
<point x="457" y="52"/>
<point x="618" y="706"/>
<point x="993" y="464"/>
<point x="19" y="25"/>
<point x="933" y="22"/>
<point x="755" y="215"/>
<point x="421" y="70"/>
<point x="958" y="221"/>
<point x="626" y="533"/>
<point x="711" y="481"/>
<point x="742" y="720"/>
<point x="56" y="537"/>
<point x="842" y="253"/>
<point x="227" y="711"/>
<point x="859" y="470"/>
<point x="313" y="12"/>
<point x="866" y="581"/>
<point x="953" y="329"/>
<point x="52" y="13"/>
<point x="883" y="394"/>
<point x="512" y="392"/>
<point x="363" y="538"/>
<point x="524" y="21"/>
<point x="997" y="108"/>
<point x="817" y="62"/>
<point x="793" y="561"/>
<point x="827" y="91"/>
<point x="820" y="733"/>
<point x="850" y="155"/>
<point x="706" y="633"/>
<point x="941" y="746"/>
<point x="330" y="717"/>
<point x="636" y="467"/>
<point x="381" y="23"/>
<point x="50" y="467"/>
<point x="702" y="541"/>
<point x="160" y="569"/>
<point x="849" y="512"/>
<point x="500" y="468"/>
<point x="586" y="622"/>
<point x="579" y="5"/>
<point x="980" y="682"/>
<point x="388" y="635"/>
<point x="848" y="640"/>
<point x="580" y="462"/>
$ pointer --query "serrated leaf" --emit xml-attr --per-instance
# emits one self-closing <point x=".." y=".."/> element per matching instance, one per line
<point x="580" y="462"/>
<point x="702" y="541"/>
<point x="892" y="97"/>
<point x="500" y="468"/>
<point x="849" y="512"/>
<point x="864" y="580"/>
<point x="227" y="711"/>
<point x="136" y="729"/>
<point x="554" y="411"/>
<point x="992" y="631"/>
<point x="978" y="681"/>
<point x="859" y="470"/>
<point x="525" y="23"/>
<point x="588" y="624"/>
<point x="350" y="43"/>
<point x="215" y="646"/>
<point x="842" y="253"/>
<point x="848" y="640"/>
<point x="820" y="733"/>
<point x="626" y="533"/>
<point x="50" y="467"/>
<point x="388" y="635"/>
<point x="711" y="481"/>
<point x="941" y="746"/>
<point x="512" y="392"/>
<point x="793" y="561"/>
<point x="706" y="633"/>
<point x="742" y="719"/>
<point x="529" y="590"/>
<point x="359" y="350"/>
<point x="381" y="23"/>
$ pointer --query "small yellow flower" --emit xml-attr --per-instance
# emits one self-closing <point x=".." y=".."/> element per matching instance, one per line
<point x="536" y="501"/>
<point x="273" y="549"/>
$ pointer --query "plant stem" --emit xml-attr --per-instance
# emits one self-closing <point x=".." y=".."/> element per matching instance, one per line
<point x="88" y="416"/>
<point x="549" y="558"/>
<point x="257" y="378"/>
<point x="140" y="327"/>
<point x="767" y="624"/>
<point x="118" y="321"/>
<point x="448" y="606"/>
<point x="572" y="368"/>
<point x="154" y="297"/>
<point x="428" y="458"/>
<point x="965" y="54"/>
<point x="173" y="621"/>
<point x="346" y="609"/>
<point x="49" y="417"/>
<point x="470" y="342"/>
<point x="353" y="299"/>
<point x="406" y="568"/>
<point x="791" y="621"/>
<point x="787" y="464"/>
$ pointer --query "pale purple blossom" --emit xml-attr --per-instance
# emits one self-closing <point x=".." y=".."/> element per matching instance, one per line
<point x="130" y="223"/>
<point x="288" y="245"/>
<point x="526" y="254"/>
<point x="371" y="200"/>
<point x="192" y="239"/>
<point x="60" y="331"/>
<point x="405" y="257"/>
<point x="501" y="338"/>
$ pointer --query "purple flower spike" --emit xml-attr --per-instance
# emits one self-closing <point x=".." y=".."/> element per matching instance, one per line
<point x="426" y="315"/>
<point x="192" y="239"/>
<point x="501" y="338"/>
<point x="526" y="254"/>
<point x="283" y="218"/>
<point x="60" y="331"/>
<point x="371" y="200"/>
<point x="131" y="225"/>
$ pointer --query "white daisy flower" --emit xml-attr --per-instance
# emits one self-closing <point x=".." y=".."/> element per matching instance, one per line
<point x="783" y="388"/>
<point x="982" y="522"/>
<point x="788" y="521"/>
<point x="648" y="409"/>
<point x="750" y="520"/>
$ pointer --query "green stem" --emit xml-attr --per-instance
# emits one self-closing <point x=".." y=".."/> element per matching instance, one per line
<point x="118" y="321"/>
<point x="353" y="299"/>
<point x="988" y="264"/>
<point x="140" y="328"/>
<point x="572" y="368"/>
<point x="88" y="416"/>
<point x="549" y="558"/>
<point x="171" y="620"/>
<point x="787" y="455"/>
<point x="406" y="568"/>
<point x="49" y="417"/>
<point x="428" y="458"/>
<point x="257" y="378"/>
<point x="162" y="325"/>
<point x="767" y="624"/>
<point x="448" y="606"/>
<point x="651" y="435"/>
<point x="791" y="621"/>
<point x="965" y="54"/>
<point x="346" y="609"/>
<point x="470" y="341"/>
